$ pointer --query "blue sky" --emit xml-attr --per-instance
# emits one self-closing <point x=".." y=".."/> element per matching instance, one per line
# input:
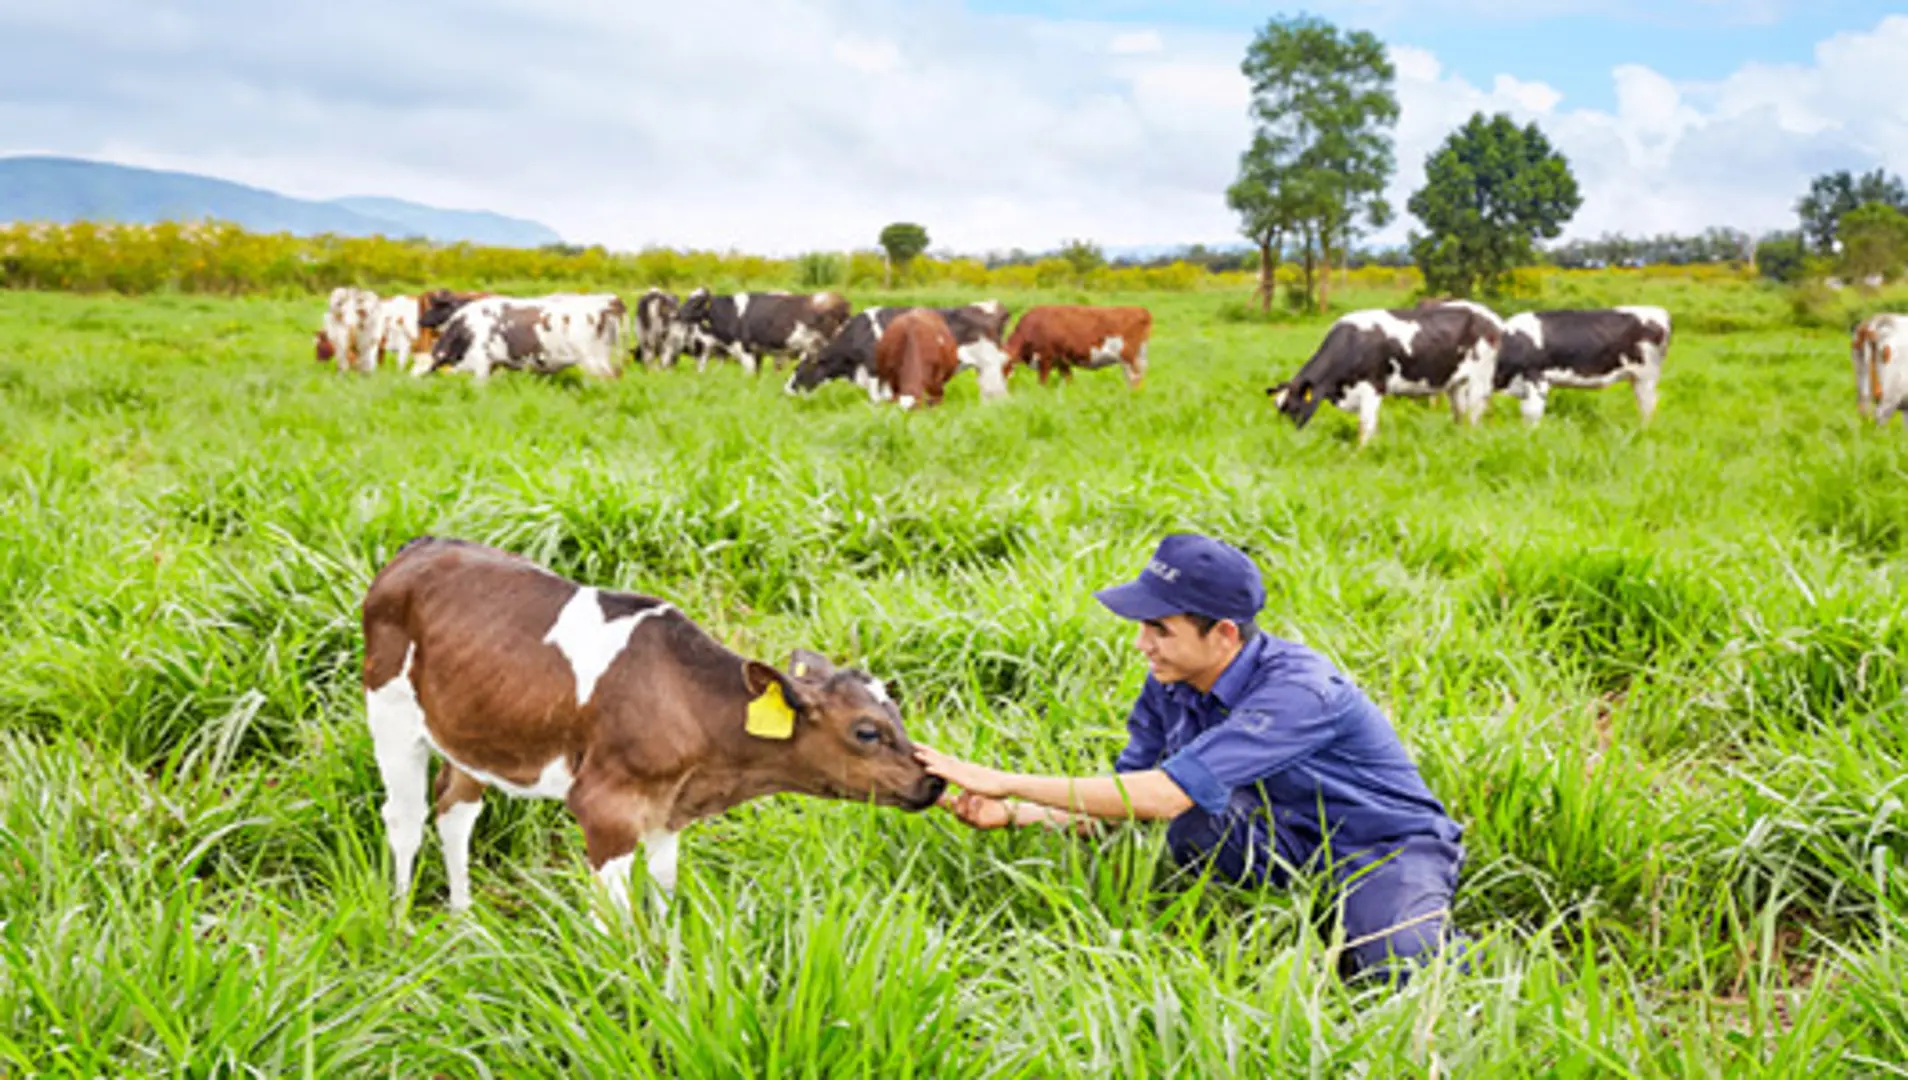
<point x="782" y="126"/>
<point x="1570" y="44"/>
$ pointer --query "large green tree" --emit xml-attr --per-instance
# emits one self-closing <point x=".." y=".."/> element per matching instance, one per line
<point x="1491" y="191"/>
<point x="902" y="241"/>
<point x="1874" y="239"/>
<point x="1322" y="110"/>
<point x="1833" y="195"/>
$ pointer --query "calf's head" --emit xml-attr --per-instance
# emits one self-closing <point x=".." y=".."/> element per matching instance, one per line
<point x="324" y="349"/>
<point x="841" y="733"/>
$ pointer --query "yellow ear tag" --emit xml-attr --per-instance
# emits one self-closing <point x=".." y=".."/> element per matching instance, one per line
<point x="769" y="715"/>
<point x="801" y="669"/>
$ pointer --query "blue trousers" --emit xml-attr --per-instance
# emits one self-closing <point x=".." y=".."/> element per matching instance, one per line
<point x="1394" y="902"/>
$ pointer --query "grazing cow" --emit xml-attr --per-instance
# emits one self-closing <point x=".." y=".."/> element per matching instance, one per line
<point x="659" y="336"/>
<point x="325" y="350"/>
<point x="750" y="326"/>
<point x="1582" y="349"/>
<point x="1880" y="349"/>
<point x="398" y="329"/>
<point x="1067" y="337"/>
<point x="976" y="328"/>
<point x="1446" y="348"/>
<point x="545" y="335"/>
<point x="614" y="702"/>
<point x="915" y="358"/>
<point x="353" y="323"/>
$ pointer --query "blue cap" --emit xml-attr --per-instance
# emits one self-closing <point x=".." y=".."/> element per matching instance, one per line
<point x="1190" y="575"/>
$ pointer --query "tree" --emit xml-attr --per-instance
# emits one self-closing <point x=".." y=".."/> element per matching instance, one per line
<point x="1267" y="206"/>
<point x="1491" y="191"/>
<point x="1782" y="256"/>
<point x="1831" y="195"/>
<point x="1084" y="255"/>
<point x="1322" y="110"/>
<point x="1874" y="238"/>
<point x="903" y="240"/>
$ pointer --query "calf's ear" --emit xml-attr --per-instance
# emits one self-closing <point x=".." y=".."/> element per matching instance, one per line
<point x="812" y="666"/>
<point x="775" y="703"/>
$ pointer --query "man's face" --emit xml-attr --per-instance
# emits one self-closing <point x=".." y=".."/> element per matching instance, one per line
<point x="1175" y="651"/>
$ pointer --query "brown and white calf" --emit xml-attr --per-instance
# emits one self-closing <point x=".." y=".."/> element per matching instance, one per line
<point x="1065" y="337"/>
<point x="915" y="358"/>
<point x="1879" y="346"/>
<point x="616" y="703"/>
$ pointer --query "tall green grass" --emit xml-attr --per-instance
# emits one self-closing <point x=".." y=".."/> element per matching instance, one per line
<point x="1658" y="675"/>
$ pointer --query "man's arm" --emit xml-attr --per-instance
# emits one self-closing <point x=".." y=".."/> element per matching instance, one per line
<point x="1147" y="796"/>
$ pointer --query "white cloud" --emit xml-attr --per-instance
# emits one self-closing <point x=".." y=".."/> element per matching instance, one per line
<point x="783" y="125"/>
<point x="868" y="57"/>
<point x="1679" y="156"/>
<point x="1136" y="43"/>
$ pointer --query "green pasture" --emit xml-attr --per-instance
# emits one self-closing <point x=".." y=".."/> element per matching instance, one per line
<point x="1660" y="676"/>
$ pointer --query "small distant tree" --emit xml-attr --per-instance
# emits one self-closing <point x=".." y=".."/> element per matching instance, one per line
<point x="1835" y="194"/>
<point x="1874" y="238"/>
<point x="1491" y="191"/>
<point x="1782" y="256"/>
<point x="902" y="241"/>
<point x="1084" y="256"/>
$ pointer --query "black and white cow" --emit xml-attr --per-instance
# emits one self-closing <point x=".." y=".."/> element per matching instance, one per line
<point x="977" y="329"/>
<point x="751" y="326"/>
<point x="544" y="334"/>
<point x="1445" y="348"/>
<point x="659" y="337"/>
<point x="1582" y="349"/>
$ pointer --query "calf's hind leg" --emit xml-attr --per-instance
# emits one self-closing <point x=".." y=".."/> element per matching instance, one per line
<point x="397" y="735"/>
<point x="460" y="798"/>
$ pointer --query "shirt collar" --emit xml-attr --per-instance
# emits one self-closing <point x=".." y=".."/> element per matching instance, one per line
<point x="1232" y="682"/>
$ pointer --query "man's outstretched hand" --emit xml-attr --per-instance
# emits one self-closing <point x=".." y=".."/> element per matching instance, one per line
<point x="969" y="777"/>
<point x="980" y="811"/>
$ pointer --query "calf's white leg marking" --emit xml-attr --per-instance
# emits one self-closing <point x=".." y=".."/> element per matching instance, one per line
<point x="397" y="736"/>
<point x="591" y="643"/>
<point x="453" y="829"/>
<point x="614" y="877"/>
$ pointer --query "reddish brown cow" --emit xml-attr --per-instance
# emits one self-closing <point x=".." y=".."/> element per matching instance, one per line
<point x="614" y="702"/>
<point x="1066" y="337"/>
<point x="915" y="358"/>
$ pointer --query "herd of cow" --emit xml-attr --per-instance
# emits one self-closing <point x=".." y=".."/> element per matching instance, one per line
<point x="899" y="354"/>
<point x="1454" y="348"/>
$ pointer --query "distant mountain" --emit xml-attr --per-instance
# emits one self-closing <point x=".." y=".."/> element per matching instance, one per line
<point x="69" y="189"/>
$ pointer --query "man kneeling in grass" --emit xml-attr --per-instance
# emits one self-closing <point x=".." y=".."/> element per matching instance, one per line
<point x="1264" y="756"/>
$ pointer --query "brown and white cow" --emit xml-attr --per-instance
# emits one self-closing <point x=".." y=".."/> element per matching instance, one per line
<point x="1584" y="350"/>
<point x="1879" y="346"/>
<point x="659" y="337"/>
<point x="352" y="325"/>
<point x="1439" y="348"/>
<point x="915" y="358"/>
<point x="1065" y="337"/>
<point x="614" y="702"/>
<point x="977" y="329"/>
<point x="752" y="326"/>
<point x="543" y="334"/>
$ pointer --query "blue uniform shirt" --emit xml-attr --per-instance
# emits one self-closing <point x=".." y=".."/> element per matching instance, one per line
<point x="1284" y="732"/>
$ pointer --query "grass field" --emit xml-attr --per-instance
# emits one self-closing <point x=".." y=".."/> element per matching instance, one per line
<point x="1658" y="675"/>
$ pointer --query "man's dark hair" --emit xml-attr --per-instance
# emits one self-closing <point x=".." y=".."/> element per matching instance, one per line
<point x="1204" y="624"/>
